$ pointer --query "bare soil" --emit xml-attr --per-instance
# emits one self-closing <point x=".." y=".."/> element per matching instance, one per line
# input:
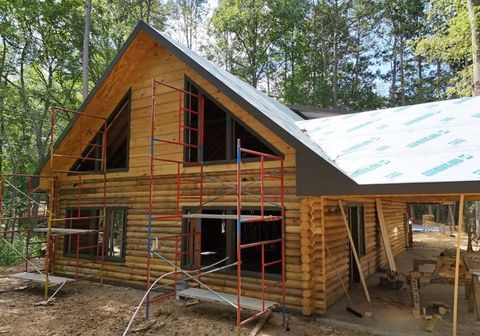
<point x="83" y="308"/>
<point x="440" y="240"/>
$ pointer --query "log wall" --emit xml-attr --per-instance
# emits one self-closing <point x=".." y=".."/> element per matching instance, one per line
<point x="147" y="60"/>
<point x="312" y="223"/>
<point x="333" y="261"/>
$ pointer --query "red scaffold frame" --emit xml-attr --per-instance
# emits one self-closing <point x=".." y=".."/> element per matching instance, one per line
<point x="157" y="157"/>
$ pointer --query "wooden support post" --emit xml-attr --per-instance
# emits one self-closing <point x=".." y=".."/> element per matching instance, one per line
<point x="386" y="240"/>
<point x="354" y="251"/>
<point x="475" y="292"/>
<point x="414" y="282"/>
<point x="457" y="265"/>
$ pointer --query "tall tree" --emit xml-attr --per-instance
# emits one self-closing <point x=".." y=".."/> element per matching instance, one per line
<point x="86" y="42"/>
<point x="448" y="45"/>
<point x="187" y="17"/>
<point x="250" y="27"/>
<point x="474" y="32"/>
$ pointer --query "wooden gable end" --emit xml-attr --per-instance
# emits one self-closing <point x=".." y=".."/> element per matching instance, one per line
<point x="143" y="61"/>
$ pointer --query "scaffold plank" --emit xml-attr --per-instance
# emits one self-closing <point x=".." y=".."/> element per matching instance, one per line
<point x="52" y="279"/>
<point x="245" y="302"/>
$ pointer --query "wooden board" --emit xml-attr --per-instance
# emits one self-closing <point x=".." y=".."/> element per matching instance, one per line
<point x="476" y="293"/>
<point x="385" y="239"/>
<point x="52" y="279"/>
<point x="414" y="287"/>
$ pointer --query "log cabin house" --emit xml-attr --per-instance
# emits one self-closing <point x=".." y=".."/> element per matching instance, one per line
<point x="374" y="163"/>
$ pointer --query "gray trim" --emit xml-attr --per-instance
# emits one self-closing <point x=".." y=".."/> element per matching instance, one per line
<point x="315" y="178"/>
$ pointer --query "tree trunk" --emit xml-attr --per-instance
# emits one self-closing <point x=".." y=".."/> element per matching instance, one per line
<point x="335" y="70"/>
<point x="451" y="222"/>
<point x="393" y="87"/>
<point x="2" y="121"/>
<point x="402" y="72"/>
<point x="438" y="79"/>
<point x="86" y="41"/>
<point x="472" y="15"/>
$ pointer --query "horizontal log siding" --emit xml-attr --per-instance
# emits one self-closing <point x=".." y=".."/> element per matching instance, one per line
<point x="337" y="241"/>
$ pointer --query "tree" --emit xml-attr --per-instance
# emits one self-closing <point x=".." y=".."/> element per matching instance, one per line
<point x="248" y="29"/>
<point x="86" y="41"/>
<point x="474" y="32"/>
<point x="448" y="45"/>
<point x="187" y="18"/>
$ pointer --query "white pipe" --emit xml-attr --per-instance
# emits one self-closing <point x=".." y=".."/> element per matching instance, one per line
<point x="163" y="276"/>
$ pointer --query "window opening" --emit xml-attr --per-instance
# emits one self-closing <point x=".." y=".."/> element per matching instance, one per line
<point x="218" y="240"/>
<point x="113" y="232"/>
<point x="221" y="130"/>
<point x="118" y="134"/>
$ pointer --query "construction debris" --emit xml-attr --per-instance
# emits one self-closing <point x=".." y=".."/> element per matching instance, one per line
<point x="144" y="326"/>
<point x="355" y="312"/>
<point x="432" y="322"/>
<point x="261" y="323"/>
<point x="191" y="303"/>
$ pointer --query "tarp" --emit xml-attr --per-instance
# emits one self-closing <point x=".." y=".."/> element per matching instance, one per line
<point x="434" y="142"/>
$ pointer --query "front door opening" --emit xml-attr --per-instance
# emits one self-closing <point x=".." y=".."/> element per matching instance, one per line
<point x="356" y="224"/>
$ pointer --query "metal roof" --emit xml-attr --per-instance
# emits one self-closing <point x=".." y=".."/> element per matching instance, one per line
<point x="433" y="142"/>
<point x="312" y="112"/>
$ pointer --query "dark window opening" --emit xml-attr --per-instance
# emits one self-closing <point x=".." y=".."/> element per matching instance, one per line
<point x="90" y="245"/>
<point x="114" y="233"/>
<point x="86" y="243"/>
<point x="356" y="222"/>
<point x="218" y="241"/>
<point x="221" y="131"/>
<point x="118" y="131"/>
<point x="261" y="231"/>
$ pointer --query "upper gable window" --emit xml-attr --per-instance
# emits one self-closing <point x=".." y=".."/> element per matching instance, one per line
<point x="118" y="134"/>
<point x="221" y="131"/>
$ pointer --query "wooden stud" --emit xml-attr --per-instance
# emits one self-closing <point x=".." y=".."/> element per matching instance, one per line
<point x="476" y="294"/>
<point x="354" y="251"/>
<point x="457" y="265"/>
<point x="386" y="240"/>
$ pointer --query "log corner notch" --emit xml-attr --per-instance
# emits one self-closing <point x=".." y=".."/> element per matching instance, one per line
<point x="385" y="239"/>
<point x="312" y="237"/>
<point x="354" y="251"/>
<point x="307" y="256"/>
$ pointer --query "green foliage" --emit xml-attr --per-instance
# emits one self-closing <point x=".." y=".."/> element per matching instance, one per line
<point x="449" y="42"/>
<point x="10" y="257"/>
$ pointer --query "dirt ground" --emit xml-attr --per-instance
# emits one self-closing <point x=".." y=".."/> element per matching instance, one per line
<point x="391" y="310"/>
<point x="87" y="309"/>
<point x="440" y="240"/>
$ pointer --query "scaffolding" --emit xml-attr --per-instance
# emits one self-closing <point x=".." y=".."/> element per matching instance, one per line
<point x="45" y="230"/>
<point x="187" y="245"/>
